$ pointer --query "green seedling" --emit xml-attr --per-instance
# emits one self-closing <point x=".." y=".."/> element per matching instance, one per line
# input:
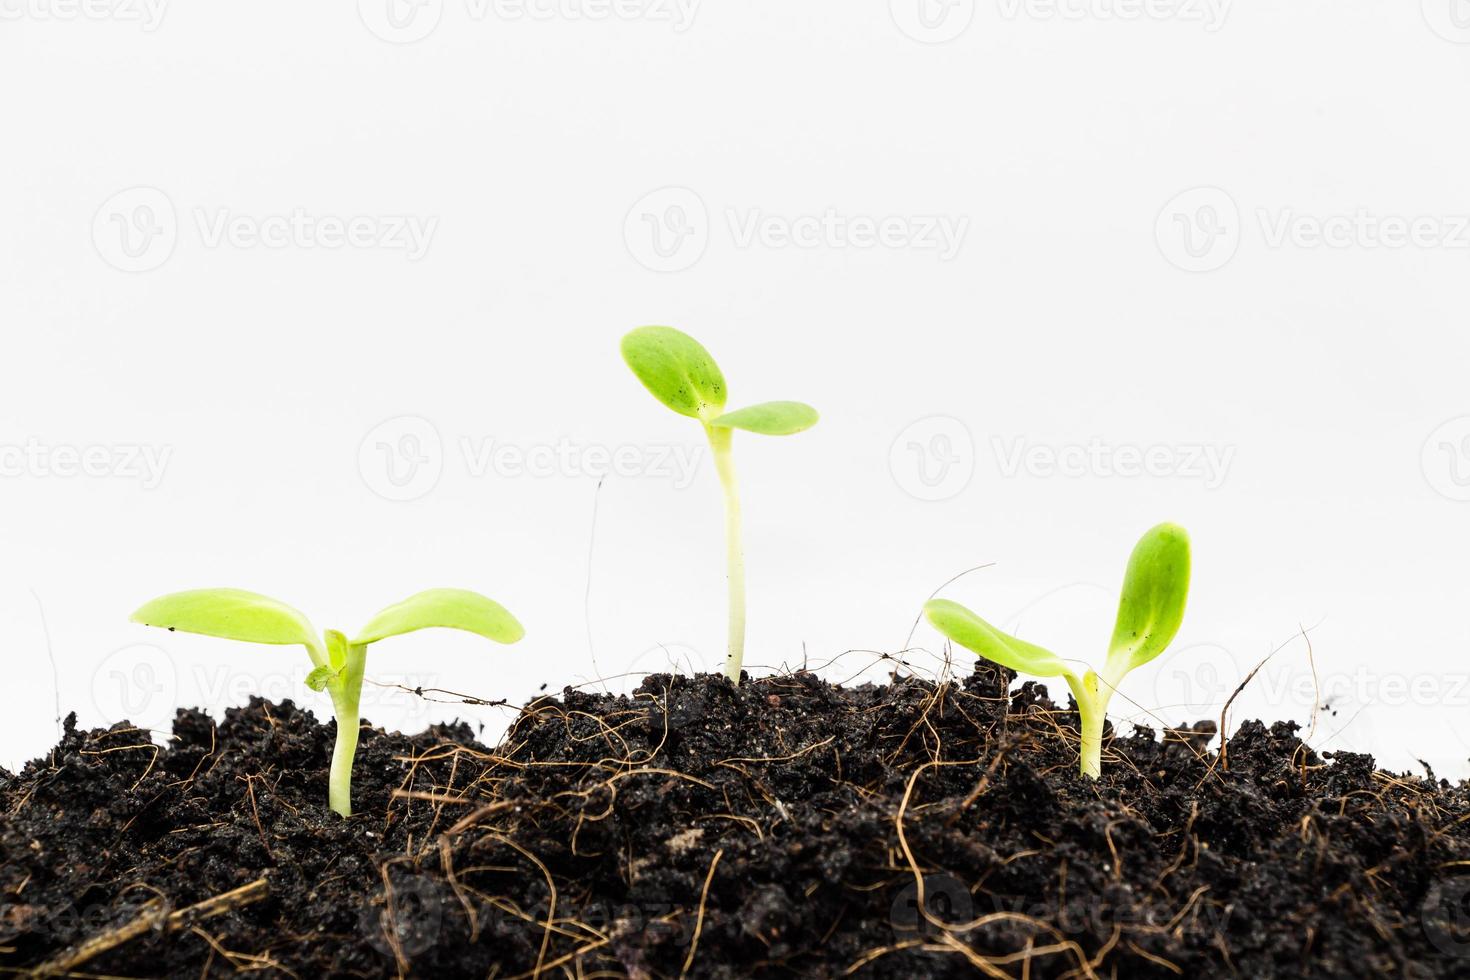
<point x="682" y="374"/>
<point x="337" y="662"/>
<point x="1149" y="614"/>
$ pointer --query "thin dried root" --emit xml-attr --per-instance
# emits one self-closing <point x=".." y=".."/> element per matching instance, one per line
<point x="155" y="916"/>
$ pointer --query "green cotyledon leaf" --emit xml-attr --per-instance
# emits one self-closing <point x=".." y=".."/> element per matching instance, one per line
<point x="449" y="608"/>
<point x="1155" y="588"/>
<point x="677" y="370"/>
<point x="979" y="637"/>
<point x="319" y="677"/>
<point x="770" y="418"/>
<point x="231" y="614"/>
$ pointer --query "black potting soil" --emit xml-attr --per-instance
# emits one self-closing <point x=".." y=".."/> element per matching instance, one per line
<point x="787" y="828"/>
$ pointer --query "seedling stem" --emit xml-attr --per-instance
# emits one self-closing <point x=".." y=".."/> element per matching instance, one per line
<point x="1092" y="707"/>
<point x="721" y="441"/>
<point x="345" y="689"/>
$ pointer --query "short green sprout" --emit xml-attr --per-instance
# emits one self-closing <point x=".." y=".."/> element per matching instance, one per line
<point x="682" y="374"/>
<point x="337" y="663"/>
<point x="1149" y="614"/>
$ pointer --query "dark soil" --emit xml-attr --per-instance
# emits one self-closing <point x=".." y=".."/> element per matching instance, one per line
<point x="779" y="830"/>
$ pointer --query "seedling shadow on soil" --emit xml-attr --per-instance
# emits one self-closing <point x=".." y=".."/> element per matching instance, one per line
<point x="784" y="828"/>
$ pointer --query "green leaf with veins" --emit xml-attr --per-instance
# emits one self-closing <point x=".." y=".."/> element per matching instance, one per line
<point x="677" y="370"/>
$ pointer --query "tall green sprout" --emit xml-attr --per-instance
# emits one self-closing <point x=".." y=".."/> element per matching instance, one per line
<point x="679" y="372"/>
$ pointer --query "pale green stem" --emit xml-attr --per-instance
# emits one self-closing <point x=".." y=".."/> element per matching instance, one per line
<point x="720" y="440"/>
<point x="1092" y="709"/>
<point x="346" y="692"/>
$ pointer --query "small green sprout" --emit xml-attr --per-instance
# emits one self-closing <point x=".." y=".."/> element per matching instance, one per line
<point x="1149" y="614"/>
<point x="682" y="374"/>
<point x="337" y="663"/>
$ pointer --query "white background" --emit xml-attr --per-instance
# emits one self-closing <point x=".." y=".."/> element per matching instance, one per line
<point x="1218" y="231"/>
